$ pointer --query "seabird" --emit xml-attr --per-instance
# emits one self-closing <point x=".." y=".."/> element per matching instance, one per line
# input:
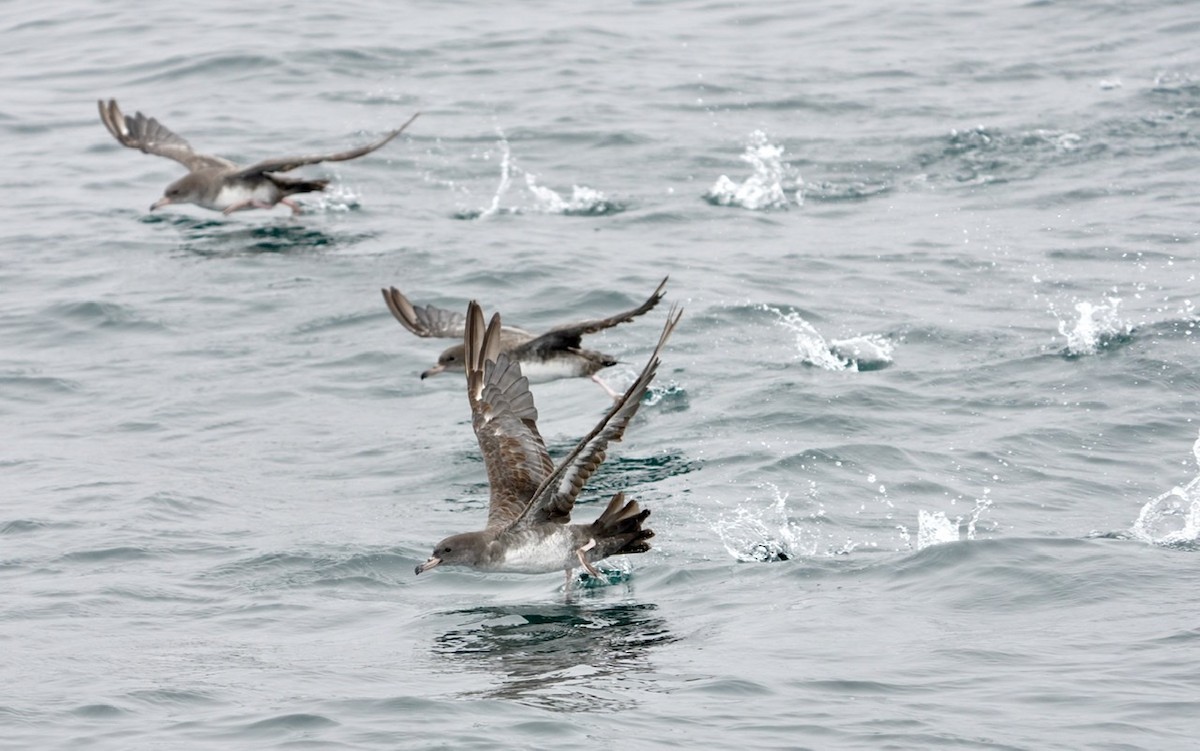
<point x="528" y="528"/>
<point x="558" y="353"/>
<point x="215" y="182"/>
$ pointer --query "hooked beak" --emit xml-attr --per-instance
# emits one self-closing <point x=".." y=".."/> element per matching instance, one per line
<point x="160" y="203"/>
<point x="431" y="563"/>
<point x="433" y="371"/>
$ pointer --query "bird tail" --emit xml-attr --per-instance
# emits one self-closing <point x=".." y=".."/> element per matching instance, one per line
<point x="292" y="185"/>
<point x="618" y="531"/>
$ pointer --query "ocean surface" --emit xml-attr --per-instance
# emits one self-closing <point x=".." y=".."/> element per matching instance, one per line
<point x="922" y="456"/>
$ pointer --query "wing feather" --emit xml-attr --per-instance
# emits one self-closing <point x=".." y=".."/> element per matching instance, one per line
<point x="505" y="421"/>
<point x="152" y="137"/>
<point x="424" y="321"/>
<point x="555" y="497"/>
<point x="283" y="164"/>
<point x="570" y="336"/>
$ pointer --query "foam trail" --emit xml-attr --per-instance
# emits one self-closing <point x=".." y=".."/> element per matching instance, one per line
<point x="1173" y="518"/>
<point x="766" y="187"/>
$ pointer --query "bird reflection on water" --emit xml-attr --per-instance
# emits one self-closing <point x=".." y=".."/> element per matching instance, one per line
<point x="225" y="238"/>
<point x="565" y="657"/>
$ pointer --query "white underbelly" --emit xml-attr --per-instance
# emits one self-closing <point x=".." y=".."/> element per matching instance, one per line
<point x="540" y="371"/>
<point x="540" y="556"/>
<point x="233" y="195"/>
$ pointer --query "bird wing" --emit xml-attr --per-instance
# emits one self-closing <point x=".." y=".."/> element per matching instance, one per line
<point x="570" y="336"/>
<point x="426" y="321"/>
<point x="152" y="137"/>
<point x="283" y="164"/>
<point x="555" y="497"/>
<point x="505" y="421"/>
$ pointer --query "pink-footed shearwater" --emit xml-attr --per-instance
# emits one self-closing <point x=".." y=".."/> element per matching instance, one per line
<point x="528" y="527"/>
<point x="215" y="182"/>
<point x="558" y="353"/>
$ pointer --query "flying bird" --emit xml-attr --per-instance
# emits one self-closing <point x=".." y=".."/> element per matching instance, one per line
<point x="215" y="182"/>
<point x="558" y="353"/>
<point x="528" y="527"/>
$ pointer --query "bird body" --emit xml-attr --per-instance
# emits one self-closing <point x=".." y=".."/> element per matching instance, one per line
<point x="528" y="529"/>
<point x="214" y="182"/>
<point x="558" y="353"/>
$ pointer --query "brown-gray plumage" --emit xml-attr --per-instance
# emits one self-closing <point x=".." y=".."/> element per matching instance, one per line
<point x="215" y="182"/>
<point x="558" y="353"/>
<point x="528" y="527"/>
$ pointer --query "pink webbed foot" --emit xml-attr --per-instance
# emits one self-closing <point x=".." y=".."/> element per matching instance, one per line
<point x="583" y="561"/>
<point x="607" y="389"/>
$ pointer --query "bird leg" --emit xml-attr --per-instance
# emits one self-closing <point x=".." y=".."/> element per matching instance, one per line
<point x="583" y="561"/>
<point x="295" y="207"/>
<point x="607" y="389"/>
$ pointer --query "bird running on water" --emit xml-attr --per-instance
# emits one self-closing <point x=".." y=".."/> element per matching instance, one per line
<point x="558" y="353"/>
<point x="528" y="527"/>
<point x="216" y="183"/>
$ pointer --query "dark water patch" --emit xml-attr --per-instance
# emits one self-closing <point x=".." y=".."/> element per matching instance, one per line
<point x="120" y="554"/>
<point x="731" y="688"/>
<point x="35" y="389"/>
<point x="32" y="526"/>
<point x="287" y="724"/>
<point x="833" y="192"/>
<point x="561" y="657"/>
<point x="194" y="225"/>
<point x="91" y="314"/>
<point x="173" y="698"/>
<point x="99" y="711"/>
<point x="659" y="217"/>
<point x="628" y="473"/>
<point x="286" y="238"/>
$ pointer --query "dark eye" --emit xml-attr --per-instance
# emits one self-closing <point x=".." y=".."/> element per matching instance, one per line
<point x="446" y="549"/>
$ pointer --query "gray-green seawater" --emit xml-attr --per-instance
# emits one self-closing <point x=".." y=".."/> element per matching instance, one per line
<point x="920" y="456"/>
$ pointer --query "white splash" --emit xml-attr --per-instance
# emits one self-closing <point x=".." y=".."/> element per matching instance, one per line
<point x="338" y="197"/>
<point x="1172" y="519"/>
<point x="584" y="200"/>
<point x="863" y="352"/>
<point x="756" y="535"/>
<point x="767" y="187"/>
<point x="1097" y="327"/>
<point x="935" y="528"/>
<point x="506" y="168"/>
